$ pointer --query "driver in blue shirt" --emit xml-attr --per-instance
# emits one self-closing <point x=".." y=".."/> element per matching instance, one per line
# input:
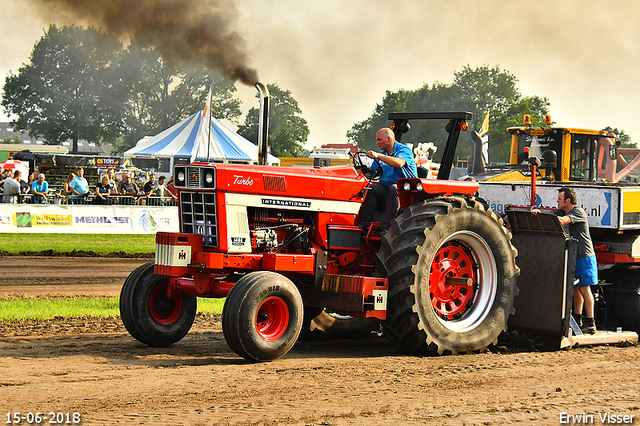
<point x="396" y="161"/>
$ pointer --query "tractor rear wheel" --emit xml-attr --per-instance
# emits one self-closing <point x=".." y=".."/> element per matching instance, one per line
<point x="451" y="270"/>
<point x="149" y="315"/>
<point x="262" y="316"/>
<point x="627" y="301"/>
<point x="623" y="295"/>
<point x="628" y="310"/>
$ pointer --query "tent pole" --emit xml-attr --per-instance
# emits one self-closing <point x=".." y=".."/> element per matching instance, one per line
<point x="209" y="124"/>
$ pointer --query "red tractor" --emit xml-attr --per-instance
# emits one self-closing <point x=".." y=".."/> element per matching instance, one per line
<point x="282" y="244"/>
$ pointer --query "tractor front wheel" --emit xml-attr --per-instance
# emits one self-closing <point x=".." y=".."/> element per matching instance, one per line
<point x="262" y="316"/>
<point x="149" y="315"/>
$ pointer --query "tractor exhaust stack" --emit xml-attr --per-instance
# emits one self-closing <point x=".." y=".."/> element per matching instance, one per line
<point x="263" y="124"/>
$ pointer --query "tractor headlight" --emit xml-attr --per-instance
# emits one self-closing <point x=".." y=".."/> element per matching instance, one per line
<point x="419" y="186"/>
<point x="179" y="176"/>
<point x="209" y="178"/>
<point x="407" y="186"/>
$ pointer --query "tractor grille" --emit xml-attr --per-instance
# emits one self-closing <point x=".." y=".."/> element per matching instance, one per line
<point x="274" y="183"/>
<point x="193" y="174"/>
<point x="198" y="216"/>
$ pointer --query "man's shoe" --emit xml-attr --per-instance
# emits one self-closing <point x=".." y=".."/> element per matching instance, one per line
<point x="578" y="318"/>
<point x="588" y="326"/>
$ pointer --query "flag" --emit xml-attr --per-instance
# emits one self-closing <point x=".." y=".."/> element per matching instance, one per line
<point x="484" y="135"/>
<point x="202" y="146"/>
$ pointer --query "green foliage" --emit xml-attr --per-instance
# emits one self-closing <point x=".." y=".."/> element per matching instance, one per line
<point x="159" y="94"/>
<point x="47" y="308"/>
<point x="287" y="130"/>
<point x="82" y="84"/>
<point x="10" y="140"/>
<point x="479" y="91"/>
<point x="622" y="139"/>
<point x="60" y="95"/>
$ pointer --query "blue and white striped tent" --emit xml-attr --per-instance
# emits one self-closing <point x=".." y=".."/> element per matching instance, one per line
<point x="178" y="142"/>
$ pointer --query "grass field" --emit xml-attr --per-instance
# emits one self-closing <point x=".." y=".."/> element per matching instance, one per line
<point x="47" y="308"/>
<point x="66" y="243"/>
<point x="44" y="308"/>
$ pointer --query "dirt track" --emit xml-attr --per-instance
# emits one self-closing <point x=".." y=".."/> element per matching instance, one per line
<point x="94" y="368"/>
<point x="65" y="275"/>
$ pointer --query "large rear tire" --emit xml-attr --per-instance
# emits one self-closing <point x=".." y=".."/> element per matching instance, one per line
<point x="430" y="242"/>
<point x="626" y="288"/>
<point x="149" y="315"/>
<point x="628" y="310"/>
<point x="262" y="316"/>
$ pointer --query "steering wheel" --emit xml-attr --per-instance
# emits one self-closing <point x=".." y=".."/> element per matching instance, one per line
<point x="364" y="163"/>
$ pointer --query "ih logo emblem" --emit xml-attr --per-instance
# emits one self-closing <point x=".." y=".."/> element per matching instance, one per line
<point x="238" y="241"/>
<point x="182" y="255"/>
<point x="380" y="300"/>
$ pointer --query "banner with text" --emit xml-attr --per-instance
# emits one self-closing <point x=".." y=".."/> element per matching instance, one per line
<point x="86" y="219"/>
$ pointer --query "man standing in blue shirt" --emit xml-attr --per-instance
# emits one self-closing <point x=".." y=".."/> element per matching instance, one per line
<point x="79" y="187"/>
<point x="39" y="190"/>
<point x="396" y="161"/>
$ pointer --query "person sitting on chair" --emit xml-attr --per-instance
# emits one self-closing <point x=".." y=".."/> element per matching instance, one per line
<point x="396" y="161"/>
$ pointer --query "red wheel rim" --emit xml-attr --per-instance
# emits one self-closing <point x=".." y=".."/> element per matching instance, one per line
<point x="164" y="310"/>
<point x="453" y="259"/>
<point x="272" y="318"/>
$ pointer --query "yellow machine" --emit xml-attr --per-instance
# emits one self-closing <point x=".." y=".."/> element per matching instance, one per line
<point x="587" y="161"/>
<point x="566" y="154"/>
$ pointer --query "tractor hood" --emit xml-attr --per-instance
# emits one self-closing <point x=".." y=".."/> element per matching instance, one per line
<point x="340" y="183"/>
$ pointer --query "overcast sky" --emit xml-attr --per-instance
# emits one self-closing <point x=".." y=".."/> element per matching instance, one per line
<point x="339" y="57"/>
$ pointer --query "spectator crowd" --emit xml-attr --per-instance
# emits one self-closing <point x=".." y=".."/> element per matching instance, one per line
<point x="108" y="190"/>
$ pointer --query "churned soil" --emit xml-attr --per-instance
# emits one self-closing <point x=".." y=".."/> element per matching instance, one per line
<point x="92" y="366"/>
<point x="57" y="275"/>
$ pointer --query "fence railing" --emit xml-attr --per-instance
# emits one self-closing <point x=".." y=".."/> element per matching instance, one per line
<point x="123" y="200"/>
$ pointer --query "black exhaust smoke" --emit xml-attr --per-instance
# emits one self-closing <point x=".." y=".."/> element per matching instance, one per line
<point x="190" y="31"/>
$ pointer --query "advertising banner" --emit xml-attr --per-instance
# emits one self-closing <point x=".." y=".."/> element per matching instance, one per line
<point x="600" y="203"/>
<point x="87" y="219"/>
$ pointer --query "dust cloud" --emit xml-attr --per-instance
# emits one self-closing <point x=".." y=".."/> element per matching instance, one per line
<point x="190" y="31"/>
<point x="340" y="58"/>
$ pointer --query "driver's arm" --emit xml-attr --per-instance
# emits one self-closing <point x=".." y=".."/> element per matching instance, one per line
<point x="392" y="161"/>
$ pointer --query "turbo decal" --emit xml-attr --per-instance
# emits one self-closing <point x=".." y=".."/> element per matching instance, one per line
<point x="241" y="180"/>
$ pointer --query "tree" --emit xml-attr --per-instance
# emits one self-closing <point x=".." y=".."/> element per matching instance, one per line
<point x="160" y="93"/>
<point x="287" y="130"/>
<point x="82" y="84"/>
<point x="492" y="90"/>
<point x="623" y="139"/>
<point x="479" y="91"/>
<point x="10" y="140"/>
<point x="60" y="94"/>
